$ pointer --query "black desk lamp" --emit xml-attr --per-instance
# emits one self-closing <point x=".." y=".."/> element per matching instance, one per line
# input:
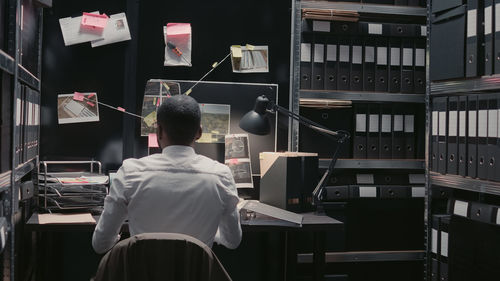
<point x="256" y="122"/>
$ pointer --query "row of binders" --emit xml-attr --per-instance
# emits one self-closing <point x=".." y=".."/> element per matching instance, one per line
<point x="361" y="56"/>
<point x="439" y="247"/>
<point x="384" y="131"/>
<point x="465" y="38"/>
<point x="27" y="125"/>
<point x="465" y="138"/>
<point x="345" y="192"/>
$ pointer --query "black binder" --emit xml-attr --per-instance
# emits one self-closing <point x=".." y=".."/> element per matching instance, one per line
<point x="381" y="70"/>
<point x="435" y="270"/>
<point x="407" y="67"/>
<point x="356" y="64"/>
<point x="436" y="104"/>
<point x="462" y="135"/>
<point x="473" y="61"/>
<point x="398" y="141"/>
<point x="395" y="65"/>
<point x="482" y="137"/>
<point x="343" y="80"/>
<point x="452" y="135"/>
<point x="419" y="78"/>
<point x="491" y="164"/>
<point x="472" y="136"/>
<point x="488" y="36"/>
<point x="496" y="154"/>
<point x="496" y="47"/>
<point x="369" y="65"/>
<point x="409" y="134"/>
<point x="305" y="65"/>
<point x="373" y="142"/>
<point x="318" y="68"/>
<point x="401" y="30"/>
<point x="330" y="76"/>
<point x="442" y="130"/>
<point x="385" y="131"/>
<point x="360" y="132"/>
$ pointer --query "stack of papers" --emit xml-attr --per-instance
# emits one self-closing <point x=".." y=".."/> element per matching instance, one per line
<point x="99" y="29"/>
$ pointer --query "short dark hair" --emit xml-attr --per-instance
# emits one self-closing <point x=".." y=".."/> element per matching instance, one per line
<point x="180" y="117"/>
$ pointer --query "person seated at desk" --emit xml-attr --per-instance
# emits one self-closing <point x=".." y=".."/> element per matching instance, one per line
<point x="175" y="191"/>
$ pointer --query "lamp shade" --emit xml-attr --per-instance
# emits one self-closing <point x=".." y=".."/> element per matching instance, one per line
<point x="256" y="121"/>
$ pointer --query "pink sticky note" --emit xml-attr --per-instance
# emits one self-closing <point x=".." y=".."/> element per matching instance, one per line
<point x="78" y="96"/>
<point x="121" y="109"/>
<point x="233" y="161"/>
<point x="152" y="140"/>
<point x="158" y="102"/>
<point x="91" y="95"/>
<point x="94" y="21"/>
<point x="174" y="29"/>
<point x="91" y="103"/>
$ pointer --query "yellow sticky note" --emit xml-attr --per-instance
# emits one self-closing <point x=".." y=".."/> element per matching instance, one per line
<point x="166" y="85"/>
<point x="250" y="47"/>
<point x="150" y="120"/>
<point x="236" y="51"/>
<point x="188" y="92"/>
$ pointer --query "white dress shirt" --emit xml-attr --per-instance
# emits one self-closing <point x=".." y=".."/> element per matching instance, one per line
<point x="175" y="191"/>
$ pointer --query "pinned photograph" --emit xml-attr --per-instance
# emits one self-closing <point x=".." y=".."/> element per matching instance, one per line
<point x="242" y="172"/>
<point x="236" y="146"/>
<point x="249" y="59"/>
<point x="215" y="120"/>
<point x="77" y="108"/>
<point x="155" y="93"/>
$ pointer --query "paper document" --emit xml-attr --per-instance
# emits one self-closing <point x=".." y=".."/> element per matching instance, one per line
<point x="116" y="30"/>
<point x="76" y="108"/>
<point x="74" y="34"/>
<point x="215" y="120"/>
<point x="247" y="59"/>
<point x="65" y="218"/>
<point x="237" y="158"/>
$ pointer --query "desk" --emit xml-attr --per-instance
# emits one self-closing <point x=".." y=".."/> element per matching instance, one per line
<point x="317" y="224"/>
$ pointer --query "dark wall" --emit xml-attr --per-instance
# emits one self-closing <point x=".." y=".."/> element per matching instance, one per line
<point x="118" y="72"/>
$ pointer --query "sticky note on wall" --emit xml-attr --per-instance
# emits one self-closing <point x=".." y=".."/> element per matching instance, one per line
<point x="152" y="140"/>
<point x="236" y="51"/>
<point x="94" y="21"/>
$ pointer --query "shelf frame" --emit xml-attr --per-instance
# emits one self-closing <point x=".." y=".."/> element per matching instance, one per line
<point x="485" y="83"/>
<point x="378" y="9"/>
<point x="366" y="256"/>
<point x="362" y="96"/>
<point x="465" y="183"/>
<point x="402" y="164"/>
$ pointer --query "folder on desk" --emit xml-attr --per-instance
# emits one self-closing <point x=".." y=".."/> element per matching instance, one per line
<point x="488" y="37"/>
<point x="356" y="64"/>
<point x="473" y="60"/>
<point x="496" y="30"/>
<point x="381" y="70"/>
<point x="409" y="134"/>
<point x="398" y="141"/>
<point x="490" y="161"/>
<point x="472" y="136"/>
<point x="395" y="65"/>
<point x="482" y="137"/>
<point x="343" y="80"/>
<point x="360" y="133"/>
<point x="385" y="132"/>
<point x="273" y="213"/>
<point x="305" y="66"/>
<point x="442" y="129"/>
<point x="369" y="65"/>
<point x="452" y="153"/>
<point x="419" y="78"/>
<point x="373" y="142"/>
<point x="318" y="68"/>
<point x="407" y="67"/>
<point x="330" y="76"/>
<point x="462" y="135"/>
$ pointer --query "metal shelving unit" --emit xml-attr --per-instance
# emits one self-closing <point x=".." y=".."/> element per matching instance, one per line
<point x="364" y="8"/>
<point x="485" y="83"/>
<point x="459" y="182"/>
<point x="366" y="256"/>
<point x="25" y="168"/>
<point x="28" y="78"/>
<point x="405" y="164"/>
<point x="362" y="96"/>
<point x="6" y="62"/>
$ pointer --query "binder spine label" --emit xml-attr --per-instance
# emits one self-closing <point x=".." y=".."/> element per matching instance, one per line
<point x="373" y="128"/>
<point x="368" y="191"/>
<point x="374" y="28"/>
<point x="357" y="54"/>
<point x="344" y="53"/>
<point x="407" y="57"/>
<point x="488" y="20"/>
<point x="471" y="23"/>
<point x="444" y="244"/>
<point x="442" y="123"/>
<point x="409" y="124"/>
<point x="360" y="122"/>
<point x="382" y="55"/>
<point x="452" y="128"/>
<point x="435" y="123"/>
<point x="395" y="56"/>
<point x="369" y="54"/>
<point x="461" y="130"/>
<point x="386" y="123"/>
<point x="482" y="131"/>
<point x="497" y="14"/>
<point x="493" y="123"/>
<point x="319" y="53"/>
<point x="321" y="26"/>
<point x="419" y="57"/>
<point x="418" y="192"/>
<point x="331" y="52"/>
<point x="472" y="123"/>
<point x="434" y="242"/>
<point x="305" y="52"/>
<point x="398" y="123"/>
<point x="460" y="208"/>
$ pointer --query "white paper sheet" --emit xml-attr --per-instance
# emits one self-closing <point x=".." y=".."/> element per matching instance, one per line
<point x="116" y="31"/>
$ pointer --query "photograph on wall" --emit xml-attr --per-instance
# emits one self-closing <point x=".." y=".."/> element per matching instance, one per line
<point x="242" y="172"/>
<point x="236" y="146"/>
<point x="71" y="110"/>
<point x="215" y="120"/>
<point x="249" y="59"/>
<point x="155" y="93"/>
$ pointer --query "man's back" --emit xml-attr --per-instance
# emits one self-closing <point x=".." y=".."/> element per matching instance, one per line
<point x="176" y="191"/>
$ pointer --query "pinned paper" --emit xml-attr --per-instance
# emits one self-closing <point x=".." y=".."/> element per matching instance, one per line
<point x="152" y="140"/>
<point x="150" y="120"/>
<point x="250" y="47"/>
<point x="116" y="30"/>
<point x="121" y="109"/>
<point x="177" y="38"/>
<point x="94" y="21"/>
<point x="178" y="28"/>
<point x="78" y="96"/>
<point x="236" y="51"/>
